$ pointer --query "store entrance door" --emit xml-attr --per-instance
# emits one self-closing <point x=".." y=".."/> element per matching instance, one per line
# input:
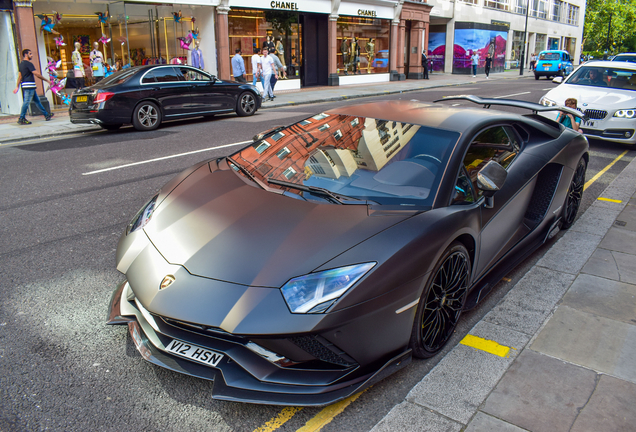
<point x="314" y="68"/>
<point x="407" y="48"/>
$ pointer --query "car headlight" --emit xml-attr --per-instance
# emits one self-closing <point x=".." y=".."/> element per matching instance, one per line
<point x="315" y="292"/>
<point x="626" y="113"/>
<point x="143" y="216"/>
<point x="547" y="102"/>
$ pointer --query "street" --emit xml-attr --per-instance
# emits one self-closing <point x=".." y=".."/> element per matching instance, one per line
<point x="65" y="203"/>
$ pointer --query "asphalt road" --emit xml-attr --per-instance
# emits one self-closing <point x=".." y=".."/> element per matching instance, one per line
<point x="61" y="368"/>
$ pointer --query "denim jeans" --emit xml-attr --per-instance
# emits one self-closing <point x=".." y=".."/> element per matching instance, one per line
<point x="262" y="81"/>
<point x="474" y="69"/>
<point x="29" y="95"/>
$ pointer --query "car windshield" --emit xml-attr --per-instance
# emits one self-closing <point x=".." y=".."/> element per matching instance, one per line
<point x="118" y="77"/>
<point x="595" y="76"/>
<point x="625" y="58"/>
<point x="387" y="162"/>
<point x="549" y="56"/>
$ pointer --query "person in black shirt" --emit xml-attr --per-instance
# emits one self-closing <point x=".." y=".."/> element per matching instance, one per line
<point x="488" y="64"/>
<point x="26" y="77"/>
<point x="425" y="64"/>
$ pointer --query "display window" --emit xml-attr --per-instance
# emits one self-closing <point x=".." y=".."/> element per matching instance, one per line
<point x="363" y="45"/>
<point x="480" y="41"/>
<point x="278" y="30"/>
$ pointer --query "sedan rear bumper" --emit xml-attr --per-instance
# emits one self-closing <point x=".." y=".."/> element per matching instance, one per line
<point x="231" y="376"/>
<point x="79" y="116"/>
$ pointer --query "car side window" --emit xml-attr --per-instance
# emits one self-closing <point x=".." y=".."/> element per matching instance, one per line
<point x="193" y="75"/>
<point x="149" y="78"/>
<point x="167" y="74"/>
<point x="463" y="193"/>
<point x="499" y="144"/>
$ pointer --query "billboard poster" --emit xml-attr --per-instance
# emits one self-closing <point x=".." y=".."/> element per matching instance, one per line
<point x="483" y="42"/>
<point x="437" y="50"/>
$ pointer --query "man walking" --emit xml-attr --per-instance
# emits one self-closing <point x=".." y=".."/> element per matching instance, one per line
<point x="257" y="68"/>
<point x="488" y="64"/>
<point x="238" y="67"/>
<point x="474" y="60"/>
<point x="425" y="64"/>
<point x="26" y="77"/>
<point x="269" y="68"/>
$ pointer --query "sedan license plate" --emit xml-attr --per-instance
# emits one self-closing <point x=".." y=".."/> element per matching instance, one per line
<point x="589" y="123"/>
<point x="81" y="99"/>
<point x="194" y="352"/>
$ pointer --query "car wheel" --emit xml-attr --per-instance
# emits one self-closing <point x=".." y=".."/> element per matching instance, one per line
<point x="246" y="104"/>
<point x="536" y="76"/>
<point x="442" y="302"/>
<point x="110" y="127"/>
<point x="574" y="196"/>
<point x="146" y="117"/>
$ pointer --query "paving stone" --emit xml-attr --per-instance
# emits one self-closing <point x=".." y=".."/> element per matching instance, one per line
<point x="603" y="264"/>
<point x="526" y="307"/>
<point x="628" y="215"/>
<point x="626" y="266"/>
<point x="407" y="417"/>
<point x="599" y="296"/>
<point x="458" y="385"/>
<point x="611" y="407"/>
<point x="571" y="252"/>
<point x="592" y="341"/>
<point x="540" y="393"/>
<point x="596" y="220"/>
<point x="483" y="422"/>
<point x="620" y="240"/>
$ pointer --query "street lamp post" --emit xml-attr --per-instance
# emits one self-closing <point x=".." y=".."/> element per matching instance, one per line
<point x="523" y="46"/>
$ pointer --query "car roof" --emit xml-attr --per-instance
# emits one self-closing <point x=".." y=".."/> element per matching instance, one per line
<point x="611" y="64"/>
<point x="553" y="51"/>
<point x="424" y="114"/>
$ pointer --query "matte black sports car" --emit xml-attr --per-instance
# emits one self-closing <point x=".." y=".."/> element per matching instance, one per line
<point x="325" y="255"/>
<point x="147" y="95"/>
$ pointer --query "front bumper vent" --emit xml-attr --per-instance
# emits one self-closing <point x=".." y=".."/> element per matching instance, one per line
<point x="595" y="114"/>
<point x="324" y="350"/>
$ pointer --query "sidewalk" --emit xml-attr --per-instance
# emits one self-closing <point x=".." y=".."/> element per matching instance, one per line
<point x="570" y="324"/>
<point x="11" y="132"/>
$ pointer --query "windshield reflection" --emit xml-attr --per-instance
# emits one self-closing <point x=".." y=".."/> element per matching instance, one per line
<point x="384" y="161"/>
<point x="594" y="76"/>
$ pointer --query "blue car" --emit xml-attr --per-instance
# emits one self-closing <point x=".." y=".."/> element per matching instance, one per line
<point x="553" y="63"/>
<point x="381" y="59"/>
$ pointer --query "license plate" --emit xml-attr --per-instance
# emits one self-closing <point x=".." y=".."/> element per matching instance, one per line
<point x="546" y="67"/>
<point x="589" y="123"/>
<point x="194" y="352"/>
<point x="81" y="99"/>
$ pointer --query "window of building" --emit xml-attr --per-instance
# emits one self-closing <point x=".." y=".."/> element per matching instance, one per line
<point x="261" y="147"/>
<point x="355" y="122"/>
<point x="282" y="153"/>
<point x="475" y="2"/>
<point x="363" y="45"/>
<point x="517" y="45"/>
<point x="498" y="4"/>
<point x="520" y="6"/>
<point x="539" y="9"/>
<point x="305" y="122"/>
<point x="337" y="135"/>
<point x="573" y="14"/>
<point x="320" y="116"/>
<point x="540" y="42"/>
<point x="281" y="30"/>
<point x="289" y="173"/>
<point x="557" y="10"/>
<point x="323" y="127"/>
<point x="277" y="136"/>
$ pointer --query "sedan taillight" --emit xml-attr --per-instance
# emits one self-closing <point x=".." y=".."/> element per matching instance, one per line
<point x="103" y="97"/>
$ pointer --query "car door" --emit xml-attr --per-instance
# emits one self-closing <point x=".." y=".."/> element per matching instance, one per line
<point x="208" y="93"/>
<point x="167" y="85"/>
<point x="502" y="225"/>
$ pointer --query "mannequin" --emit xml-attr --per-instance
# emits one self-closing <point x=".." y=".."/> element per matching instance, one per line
<point x="197" y="56"/>
<point x="97" y="62"/>
<point x="281" y="56"/>
<point x="78" y="66"/>
<point x="269" y="44"/>
<point x="370" y="52"/>
<point x="344" y="49"/>
<point x="355" y="55"/>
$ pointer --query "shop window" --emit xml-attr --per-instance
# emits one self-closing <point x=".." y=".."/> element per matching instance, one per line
<point x="363" y="45"/>
<point x="249" y="29"/>
<point x="498" y="4"/>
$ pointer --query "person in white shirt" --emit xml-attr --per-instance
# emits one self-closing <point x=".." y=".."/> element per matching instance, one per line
<point x="269" y="68"/>
<point x="257" y="69"/>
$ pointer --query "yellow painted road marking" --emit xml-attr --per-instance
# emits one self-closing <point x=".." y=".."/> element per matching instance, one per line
<point x="601" y="172"/>
<point x="609" y="200"/>
<point x="286" y="414"/>
<point x="489" y="346"/>
<point x="325" y="416"/>
<point x="507" y="279"/>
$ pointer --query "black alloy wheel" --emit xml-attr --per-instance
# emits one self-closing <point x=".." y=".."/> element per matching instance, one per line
<point x="147" y="116"/>
<point x="246" y="104"/>
<point x="574" y="196"/>
<point x="442" y="302"/>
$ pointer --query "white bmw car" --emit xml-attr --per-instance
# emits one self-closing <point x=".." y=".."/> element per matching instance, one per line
<point x="606" y="93"/>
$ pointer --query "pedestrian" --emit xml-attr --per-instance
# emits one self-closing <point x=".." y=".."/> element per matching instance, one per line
<point x="26" y="78"/>
<point x="569" y="120"/>
<point x="257" y="69"/>
<point x="238" y="67"/>
<point x="533" y="61"/>
<point x="488" y="64"/>
<point x="425" y="64"/>
<point x="474" y="60"/>
<point x="281" y="70"/>
<point x="269" y="68"/>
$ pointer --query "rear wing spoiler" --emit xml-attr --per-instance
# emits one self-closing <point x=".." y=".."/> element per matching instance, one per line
<point x="534" y="107"/>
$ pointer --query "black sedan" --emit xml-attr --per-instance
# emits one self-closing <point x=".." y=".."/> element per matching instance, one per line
<point x="325" y="255"/>
<point x="147" y="95"/>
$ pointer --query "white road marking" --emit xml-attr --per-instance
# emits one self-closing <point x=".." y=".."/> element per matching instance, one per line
<point x="548" y="89"/>
<point x="510" y="95"/>
<point x="456" y="104"/>
<point x="164" y="158"/>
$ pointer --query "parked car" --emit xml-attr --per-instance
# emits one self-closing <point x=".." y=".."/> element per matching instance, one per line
<point x="625" y="57"/>
<point x="381" y="59"/>
<point x="606" y="93"/>
<point x="325" y="255"/>
<point x="552" y="63"/>
<point x="147" y="95"/>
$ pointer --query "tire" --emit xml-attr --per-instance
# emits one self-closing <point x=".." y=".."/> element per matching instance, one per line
<point x="146" y="116"/>
<point x="246" y="105"/>
<point x="110" y="127"/>
<point x="442" y="302"/>
<point x="574" y="196"/>
<point x="536" y="77"/>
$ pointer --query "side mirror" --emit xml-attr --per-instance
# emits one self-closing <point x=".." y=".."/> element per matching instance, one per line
<point x="262" y="135"/>
<point x="557" y="80"/>
<point x="490" y="179"/>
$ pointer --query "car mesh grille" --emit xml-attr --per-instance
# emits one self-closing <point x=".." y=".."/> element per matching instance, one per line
<point x="204" y="330"/>
<point x="595" y="114"/>
<point x="322" y="349"/>
<point x="547" y="181"/>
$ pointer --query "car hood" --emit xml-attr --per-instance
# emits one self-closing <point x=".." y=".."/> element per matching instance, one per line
<point x="597" y="97"/>
<point x="219" y="226"/>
